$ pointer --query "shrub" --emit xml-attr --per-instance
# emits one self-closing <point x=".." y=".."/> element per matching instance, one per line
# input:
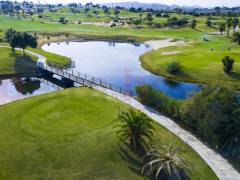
<point x="236" y="37"/>
<point x="227" y="64"/>
<point x="174" y="68"/>
<point x="158" y="25"/>
<point x="159" y="101"/>
<point x="113" y="25"/>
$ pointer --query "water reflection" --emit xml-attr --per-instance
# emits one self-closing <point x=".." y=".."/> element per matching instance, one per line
<point x="16" y="88"/>
<point x="26" y="85"/>
<point x="171" y="83"/>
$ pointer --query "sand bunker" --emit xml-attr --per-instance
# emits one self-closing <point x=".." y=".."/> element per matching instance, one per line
<point x="170" y="53"/>
<point x="157" y="44"/>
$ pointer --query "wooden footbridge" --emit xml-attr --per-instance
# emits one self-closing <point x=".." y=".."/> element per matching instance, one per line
<point x="70" y="76"/>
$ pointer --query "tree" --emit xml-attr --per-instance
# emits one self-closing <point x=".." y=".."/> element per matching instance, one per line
<point x="235" y="23"/>
<point x="209" y="22"/>
<point x="140" y="17"/>
<point x="222" y="27"/>
<point x="236" y="37"/>
<point x="227" y="62"/>
<point x="174" y="68"/>
<point x="194" y="23"/>
<point x="9" y="35"/>
<point x="166" y="163"/>
<point x="116" y="12"/>
<point x="96" y="13"/>
<point x="62" y="20"/>
<point x="106" y="11"/>
<point x="21" y="40"/>
<point x="229" y="25"/>
<point x="137" y="22"/>
<point x="149" y="17"/>
<point x="230" y="136"/>
<point x="136" y="128"/>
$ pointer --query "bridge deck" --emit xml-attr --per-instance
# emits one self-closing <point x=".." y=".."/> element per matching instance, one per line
<point x="82" y="78"/>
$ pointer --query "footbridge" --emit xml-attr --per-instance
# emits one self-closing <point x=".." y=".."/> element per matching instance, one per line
<point x="70" y="76"/>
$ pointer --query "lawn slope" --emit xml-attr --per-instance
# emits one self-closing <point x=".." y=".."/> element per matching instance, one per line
<point x="17" y="63"/>
<point x="70" y="135"/>
<point x="201" y="61"/>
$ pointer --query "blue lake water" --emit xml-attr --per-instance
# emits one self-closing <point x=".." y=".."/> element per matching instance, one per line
<point x="118" y="64"/>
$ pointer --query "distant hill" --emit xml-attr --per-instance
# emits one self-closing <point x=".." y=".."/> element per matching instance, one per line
<point x="155" y="6"/>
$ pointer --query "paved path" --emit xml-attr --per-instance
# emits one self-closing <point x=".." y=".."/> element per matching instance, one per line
<point x="219" y="165"/>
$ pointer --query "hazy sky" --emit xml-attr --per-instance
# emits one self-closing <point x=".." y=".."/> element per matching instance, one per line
<point x="203" y="3"/>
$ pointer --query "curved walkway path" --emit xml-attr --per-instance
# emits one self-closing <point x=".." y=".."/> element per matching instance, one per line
<point x="222" y="168"/>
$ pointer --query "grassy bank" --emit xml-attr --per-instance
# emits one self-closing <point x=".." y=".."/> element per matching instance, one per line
<point x="70" y="135"/>
<point x="17" y="63"/>
<point x="51" y="57"/>
<point x="201" y="61"/>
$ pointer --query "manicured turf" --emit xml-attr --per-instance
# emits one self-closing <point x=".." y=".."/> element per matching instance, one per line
<point x="70" y="135"/>
<point x="91" y="31"/>
<point x="199" y="62"/>
<point x="15" y="63"/>
<point x="54" y="58"/>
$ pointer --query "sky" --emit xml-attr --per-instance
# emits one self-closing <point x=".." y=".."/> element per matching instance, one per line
<point x="203" y="3"/>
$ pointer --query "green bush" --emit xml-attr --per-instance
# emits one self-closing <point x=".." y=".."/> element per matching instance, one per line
<point x="228" y="63"/>
<point x="174" y="68"/>
<point x="159" y="101"/>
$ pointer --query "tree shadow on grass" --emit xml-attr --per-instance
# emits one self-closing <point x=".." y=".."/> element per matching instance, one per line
<point x="23" y="63"/>
<point x="133" y="158"/>
<point x="235" y="75"/>
<point x="128" y="154"/>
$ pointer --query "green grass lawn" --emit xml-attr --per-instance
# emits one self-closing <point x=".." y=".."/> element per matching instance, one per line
<point x="70" y="135"/>
<point x="15" y="63"/>
<point x="199" y="63"/>
<point x="18" y="63"/>
<point x="91" y="31"/>
<point x="51" y="57"/>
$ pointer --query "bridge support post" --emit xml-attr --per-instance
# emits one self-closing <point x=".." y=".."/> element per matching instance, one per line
<point x="67" y="82"/>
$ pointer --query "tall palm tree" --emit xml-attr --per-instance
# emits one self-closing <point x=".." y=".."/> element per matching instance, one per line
<point x="166" y="163"/>
<point x="135" y="128"/>
<point x="229" y="25"/>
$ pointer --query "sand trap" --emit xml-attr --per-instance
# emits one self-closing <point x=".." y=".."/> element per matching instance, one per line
<point x="171" y="53"/>
<point x="157" y="44"/>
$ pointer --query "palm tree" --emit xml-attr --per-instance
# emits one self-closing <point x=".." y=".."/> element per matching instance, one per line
<point x="140" y="17"/>
<point x="229" y="24"/>
<point x="235" y="23"/>
<point x="135" y="128"/>
<point x="222" y="27"/>
<point x="166" y="163"/>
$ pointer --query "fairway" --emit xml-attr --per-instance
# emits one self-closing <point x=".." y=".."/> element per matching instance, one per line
<point x="201" y="61"/>
<point x="70" y="135"/>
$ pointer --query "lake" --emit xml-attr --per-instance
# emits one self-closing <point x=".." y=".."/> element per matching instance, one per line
<point x="118" y="63"/>
<point x="115" y="62"/>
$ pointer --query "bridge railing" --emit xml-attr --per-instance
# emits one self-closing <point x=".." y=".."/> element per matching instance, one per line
<point x="87" y="79"/>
